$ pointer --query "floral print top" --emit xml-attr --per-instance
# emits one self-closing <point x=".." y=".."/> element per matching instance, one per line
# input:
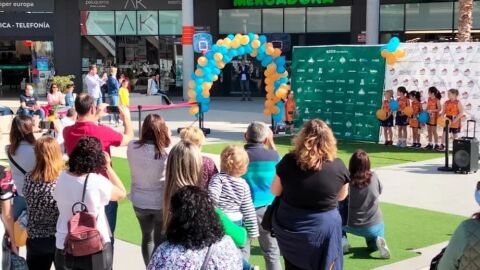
<point x="224" y="255"/>
<point x="209" y="170"/>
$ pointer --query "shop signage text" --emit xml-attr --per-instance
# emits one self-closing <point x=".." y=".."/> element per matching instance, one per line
<point x="27" y="6"/>
<point x="28" y="25"/>
<point x="129" y="4"/>
<point x="279" y="3"/>
<point x="31" y="25"/>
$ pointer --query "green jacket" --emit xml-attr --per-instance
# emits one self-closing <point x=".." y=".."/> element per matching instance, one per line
<point x="236" y="232"/>
<point x="463" y="251"/>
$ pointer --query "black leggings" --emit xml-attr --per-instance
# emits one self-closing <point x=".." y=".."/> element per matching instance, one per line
<point x="151" y="222"/>
<point x="40" y="253"/>
<point x="102" y="260"/>
<point x="291" y="266"/>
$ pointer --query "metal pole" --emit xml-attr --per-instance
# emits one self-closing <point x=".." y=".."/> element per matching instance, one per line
<point x="373" y="18"/>
<point x="188" y="57"/>
<point x="446" y="168"/>
<point x="139" y="119"/>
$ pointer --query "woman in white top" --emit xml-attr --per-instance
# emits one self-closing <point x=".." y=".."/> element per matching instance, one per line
<point x="86" y="159"/>
<point x="54" y="96"/>
<point x="21" y="157"/>
<point x="147" y="158"/>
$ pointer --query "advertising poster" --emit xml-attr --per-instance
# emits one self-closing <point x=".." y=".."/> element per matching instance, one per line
<point x="341" y="85"/>
<point x="443" y="65"/>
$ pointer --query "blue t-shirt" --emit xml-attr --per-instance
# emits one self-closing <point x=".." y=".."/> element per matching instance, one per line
<point x="260" y="173"/>
<point x="69" y="102"/>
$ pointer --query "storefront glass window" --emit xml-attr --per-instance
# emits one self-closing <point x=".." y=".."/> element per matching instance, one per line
<point x="328" y="19"/>
<point x="170" y="22"/>
<point x="392" y="17"/>
<point x="429" y="16"/>
<point x="240" y="20"/>
<point x="97" y="22"/>
<point x="476" y="15"/>
<point x="272" y="20"/>
<point x="295" y="20"/>
<point x="147" y="22"/>
<point x="126" y="22"/>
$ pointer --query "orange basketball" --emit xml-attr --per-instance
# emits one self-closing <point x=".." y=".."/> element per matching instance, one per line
<point x="408" y="111"/>
<point x="441" y="121"/>
<point x="382" y="115"/>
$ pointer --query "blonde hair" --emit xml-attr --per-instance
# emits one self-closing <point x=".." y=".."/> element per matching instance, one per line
<point x="234" y="160"/>
<point x="49" y="160"/>
<point x="194" y="135"/>
<point x="389" y="91"/>
<point x="184" y="168"/>
<point x="314" y="145"/>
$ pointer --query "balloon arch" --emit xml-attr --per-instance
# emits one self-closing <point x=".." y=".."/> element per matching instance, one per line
<point x="210" y="65"/>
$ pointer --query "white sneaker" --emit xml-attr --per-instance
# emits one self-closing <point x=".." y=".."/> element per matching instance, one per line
<point x="345" y="245"/>
<point x="383" y="248"/>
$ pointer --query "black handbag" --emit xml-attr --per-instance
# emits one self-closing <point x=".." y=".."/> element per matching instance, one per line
<point x="436" y="260"/>
<point x="268" y="216"/>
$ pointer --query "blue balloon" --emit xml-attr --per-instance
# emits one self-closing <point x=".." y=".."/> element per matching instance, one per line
<point x="260" y="56"/>
<point x="223" y="49"/>
<point x="199" y="81"/>
<point x="281" y="69"/>
<point x="198" y="88"/>
<point x="263" y="39"/>
<point x="251" y="36"/>
<point x="248" y="49"/>
<point x="231" y="36"/>
<point x="216" y="71"/>
<point x="423" y="117"/>
<point x="393" y="44"/>
<point x="209" y="55"/>
<point x="277" y="118"/>
<point x="201" y="99"/>
<point x="393" y="105"/>
<point x="277" y="84"/>
<point x="205" y="107"/>
<point x="227" y="59"/>
<point x="280" y="61"/>
<point x="209" y="77"/>
<point x="215" y="48"/>
<point x="261" y="49"/>
<point x="232" y="53"/>
<point x="241" y="51"/>
<point x="206" y="70"/>
<point x="266" y="61"/>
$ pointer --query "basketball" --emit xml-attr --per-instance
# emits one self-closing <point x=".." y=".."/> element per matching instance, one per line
<point x="382" y="115"/>
<point x="408" y="111"/>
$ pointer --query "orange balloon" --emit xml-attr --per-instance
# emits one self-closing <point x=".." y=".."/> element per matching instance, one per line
<point x="270" y="95"/>
<point x="191" y="84"/>
<point x="385" y="53"/>
<point x="206" y="93"/>
<point x="192" y="94"/>
<point x="441" y="121"/>
<point x="215" y="78"/>
<point x="382" y="115"/>
<point x="399" y="53"/>
<point x="275" y="110"/>
<point x="267" y="112"/>
<point x="281" y="93"/>
<point x="254" y="53"/>
<point x="256" y="44"/>
<point x="194" y="110"/>
<point x="269" y="88"/>
<point x="277" y="52"/>
<point x="391" y="60"/>
<point x="192" y="100"/>
<point x="220" y="64"/>
<point x="199" y="72"/>
<point x="408" y="111"/>
<point x="202" y="61"/>
<point x="270" y="50"/>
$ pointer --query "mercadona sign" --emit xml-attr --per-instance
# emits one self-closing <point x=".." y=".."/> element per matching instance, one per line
<point x="279" y="3"/>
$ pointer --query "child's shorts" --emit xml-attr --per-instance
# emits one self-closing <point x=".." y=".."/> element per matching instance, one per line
<point x="454" y="130"/>
<point x="401" y="120"/>
<point x="388" y="122"/>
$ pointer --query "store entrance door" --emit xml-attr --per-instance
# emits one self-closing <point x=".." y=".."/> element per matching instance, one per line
<point x="25" y="61"/>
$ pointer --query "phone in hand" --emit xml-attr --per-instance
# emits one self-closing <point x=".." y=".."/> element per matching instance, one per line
<point x="478" y="186"/>
<point x="113" y="109"/>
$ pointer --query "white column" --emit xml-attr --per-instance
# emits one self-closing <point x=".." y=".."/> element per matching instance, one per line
<point x="373" y="18"/>
<point x="188" y="57"/>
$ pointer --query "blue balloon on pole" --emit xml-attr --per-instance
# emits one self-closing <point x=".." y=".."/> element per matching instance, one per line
<point x="261" y="50"/>
<point x="209" y="55"/>
<point x="209" y="77"/>
<point x="231" y="36"/>
<point x="226" y="59"/>
<point x="393" y="44"/>
<point x="206" y="70"/>
<point x="223" y="49"/>
<point x="281" y="69"/>
<point x="198" y="88"/>
<point x="215" y="48"/>
<point x="199" y="81"/>
<point x="393" y="105"/>
<point x="423" y="117"/>
<point x="216" y="71"/>
<point x="241" y="51"/>
<point x="204" y="107"/>
<point x="251" y="36"/>
<point x="263" y="39"/>
<point x="280" y="61"/>
<point x="260" y="57"/>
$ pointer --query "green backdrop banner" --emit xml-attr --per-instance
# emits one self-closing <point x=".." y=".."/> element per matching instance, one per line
<point x="342" y="85"/>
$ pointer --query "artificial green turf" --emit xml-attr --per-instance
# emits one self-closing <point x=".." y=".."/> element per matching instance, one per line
<point x="380" y="155"/>
<point x="406" y="228"/>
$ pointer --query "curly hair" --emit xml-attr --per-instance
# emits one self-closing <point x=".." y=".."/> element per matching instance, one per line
<point x="87" y="157"/>
<point x="194" y="223"/>
<point x="314" y="145"/>
<point x="234" y="160"/>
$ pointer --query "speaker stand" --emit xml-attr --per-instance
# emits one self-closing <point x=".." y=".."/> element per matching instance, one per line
<point x="446" y="168"/>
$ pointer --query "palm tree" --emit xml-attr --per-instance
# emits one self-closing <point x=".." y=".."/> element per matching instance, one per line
<point x="465" y="21"/>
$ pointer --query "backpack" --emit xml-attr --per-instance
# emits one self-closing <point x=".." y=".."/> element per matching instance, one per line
<point x="83" y="237"/>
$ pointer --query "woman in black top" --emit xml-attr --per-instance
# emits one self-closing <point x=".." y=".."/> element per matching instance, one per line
<point x="310" y="181"/>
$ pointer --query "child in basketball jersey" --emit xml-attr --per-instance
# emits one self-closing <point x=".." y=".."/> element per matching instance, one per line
<point x="434" y="106"/>
<point x="401" y="120"/>
<point x="290" y="108"/>
<point x="453" y="110"/>
<point x="413" y="121"/>
<point x="387" y="124"/>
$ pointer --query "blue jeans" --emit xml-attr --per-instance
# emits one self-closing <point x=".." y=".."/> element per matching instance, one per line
<point x="26" y="112"/>
<point x="114" y="100"/>
<point x="111" y="213"/>
<point x="369" y="233"/>
<point x="98" y="101"/>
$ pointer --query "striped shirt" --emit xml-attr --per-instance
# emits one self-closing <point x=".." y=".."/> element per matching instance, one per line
<point x="232" y="195"/>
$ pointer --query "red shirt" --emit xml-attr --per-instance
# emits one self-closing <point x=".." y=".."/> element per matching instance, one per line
<point x="107" y="136"/>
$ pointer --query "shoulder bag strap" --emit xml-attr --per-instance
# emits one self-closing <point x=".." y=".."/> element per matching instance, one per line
<point x="207" y="258"/>
<point x="85" y="188"/>
<point x="15" y="163"/>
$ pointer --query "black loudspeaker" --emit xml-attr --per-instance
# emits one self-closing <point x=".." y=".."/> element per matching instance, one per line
<point x="465" y="152"/>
